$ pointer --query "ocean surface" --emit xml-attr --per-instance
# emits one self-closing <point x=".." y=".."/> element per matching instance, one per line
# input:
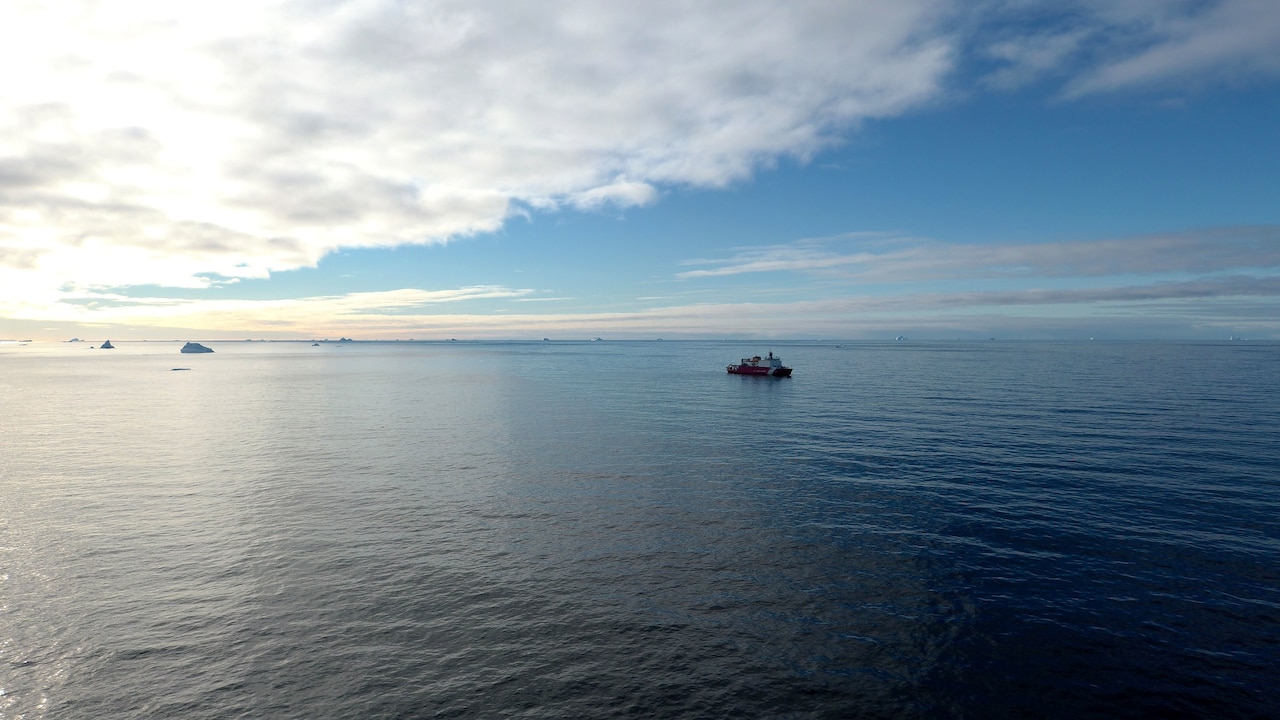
<point x="622" y="529"/>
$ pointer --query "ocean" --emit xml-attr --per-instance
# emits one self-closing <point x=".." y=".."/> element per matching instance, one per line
<point x="622" y="529"/>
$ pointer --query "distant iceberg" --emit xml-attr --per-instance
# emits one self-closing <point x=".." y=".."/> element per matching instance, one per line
<point x="107" y="346"/>
<point x="193" y="347"/>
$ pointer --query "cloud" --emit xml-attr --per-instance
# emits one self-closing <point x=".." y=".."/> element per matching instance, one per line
<point x="1023" y="60"/>
<point x="810" y="255"/>
<point x="253" y="137"/>
<point x="1168" y="307"/>
<point x="1229" y="287"/>
<point x="1182" y="44"/>
<point x="302" y="316"/>
<point x="1108" y="46"/>
<point x="1235" y="303"/>
<point x="619" y="193"/>
<point x="883" y="257"/>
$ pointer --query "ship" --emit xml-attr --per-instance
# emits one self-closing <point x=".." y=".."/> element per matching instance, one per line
<point x="770" y="366"/>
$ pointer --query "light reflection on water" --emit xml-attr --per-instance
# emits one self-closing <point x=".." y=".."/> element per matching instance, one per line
<point x="602" y="529"/>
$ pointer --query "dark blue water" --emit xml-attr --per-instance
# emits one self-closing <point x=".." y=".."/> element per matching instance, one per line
<point x="547" y="530"/>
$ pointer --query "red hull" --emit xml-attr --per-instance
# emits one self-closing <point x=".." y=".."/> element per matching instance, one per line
<point x="757" y="370"/>
<point x="769" y="367"/>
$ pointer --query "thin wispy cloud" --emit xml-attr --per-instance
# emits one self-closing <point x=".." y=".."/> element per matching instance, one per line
<point x="1225" y="287"/>
<point x="885" y="258"/>
<point x="1181" y="44"/>
<point x="1024" y="60"/>
<point x="303" y="315"/>
<point x="1106" y="46"/>
<point x="804" y="256"/>
<point x="412" y="313"/>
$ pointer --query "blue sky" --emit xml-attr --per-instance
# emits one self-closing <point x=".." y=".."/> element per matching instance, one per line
<point x="381" y="170"/>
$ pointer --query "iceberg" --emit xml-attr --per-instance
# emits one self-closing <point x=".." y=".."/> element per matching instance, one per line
<point x="194" y="347"/>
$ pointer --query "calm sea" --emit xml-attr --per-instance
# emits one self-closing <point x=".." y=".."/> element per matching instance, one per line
<point x="607" y="529"/>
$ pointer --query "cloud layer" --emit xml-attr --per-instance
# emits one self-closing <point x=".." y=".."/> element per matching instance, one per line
<point x="1224" y="281"/>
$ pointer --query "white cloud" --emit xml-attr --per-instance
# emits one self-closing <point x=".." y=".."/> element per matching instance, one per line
<point x="153" y="142"/>
<point x="619" y="193"/>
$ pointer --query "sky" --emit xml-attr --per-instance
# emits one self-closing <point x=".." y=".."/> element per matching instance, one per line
<point x="472" y="169"/>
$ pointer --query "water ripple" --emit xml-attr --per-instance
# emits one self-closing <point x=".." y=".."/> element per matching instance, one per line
<point x="554" y="530"/>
